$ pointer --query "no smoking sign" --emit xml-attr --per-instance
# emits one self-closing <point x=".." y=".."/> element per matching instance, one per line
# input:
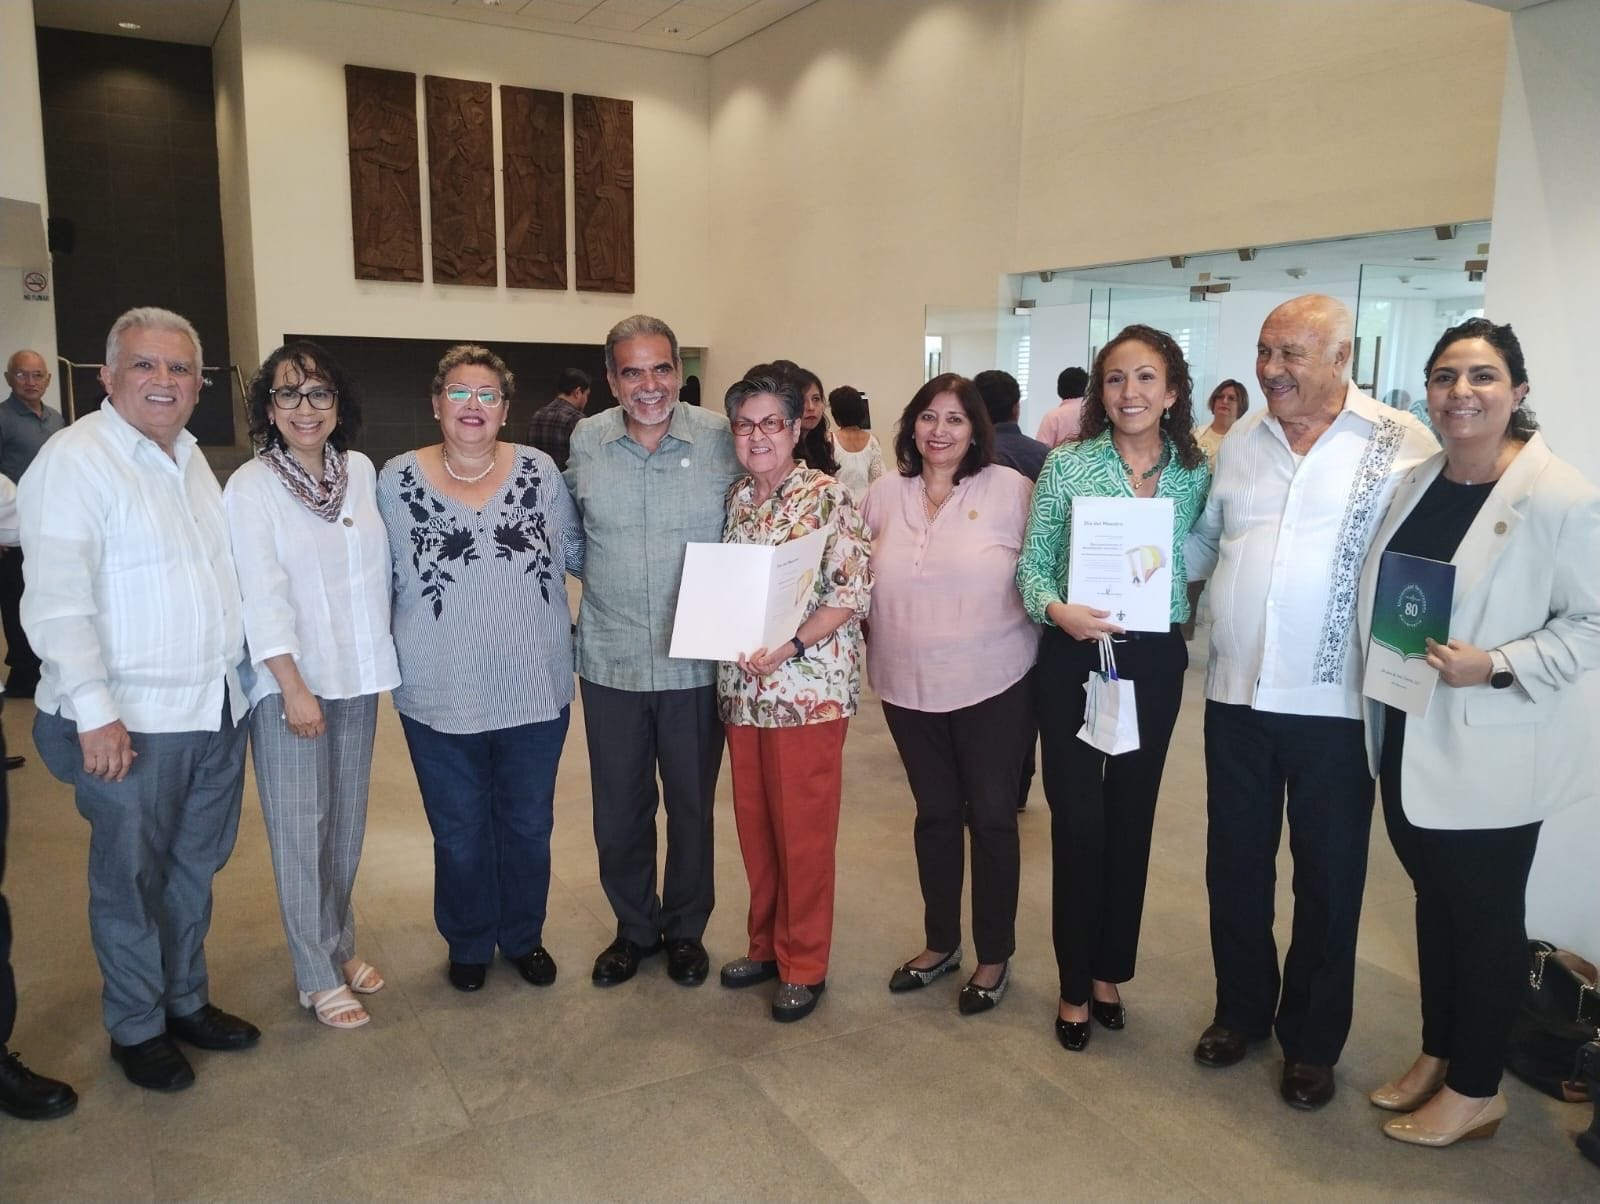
<point x="35" y="286"/>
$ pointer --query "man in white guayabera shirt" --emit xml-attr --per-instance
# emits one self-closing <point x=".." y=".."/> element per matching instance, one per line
<point x="1296" y="500"/>
<point x="132" y="605"/>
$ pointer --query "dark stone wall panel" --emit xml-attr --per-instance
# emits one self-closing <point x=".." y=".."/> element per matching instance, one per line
<point x="602" y="154"/>
<point x="461" y="181"/>
<point x="534" y="148"/>
<point x="385" y="185"/>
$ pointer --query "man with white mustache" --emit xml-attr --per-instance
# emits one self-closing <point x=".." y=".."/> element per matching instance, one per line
<point x="648" y="477"/>
<point x="1298" y="493"/>
<point x="134" y="610"/>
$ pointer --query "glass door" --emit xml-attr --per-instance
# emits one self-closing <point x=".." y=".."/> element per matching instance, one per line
<point x="1400" y="314"/>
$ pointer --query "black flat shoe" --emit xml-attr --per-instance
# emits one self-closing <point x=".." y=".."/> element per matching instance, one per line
<point x="1113" y="1015"/>
<point x="156" y="1065"/>
<point x="210" y="1027"/>
<point x="15" y="762"/>
<point x="29" y="1096"/>
<point x="914" y="978"/>
<point x="974" y="999"/>
<point x="687" y="962"/>
<point x="536" y="966"/>
<point x="619" y="961"/>
<point x="1073" y="1034"/>
<point x="468" y="976"/>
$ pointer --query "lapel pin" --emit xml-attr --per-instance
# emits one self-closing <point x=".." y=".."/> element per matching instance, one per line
<point x="1500" y="528"/>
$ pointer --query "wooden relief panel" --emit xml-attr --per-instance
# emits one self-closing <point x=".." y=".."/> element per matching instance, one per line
<point x="461" y="180"/>
<point x="534" y="149"/>
<point x="385" y="191"/>
<point x="602" y="153"/>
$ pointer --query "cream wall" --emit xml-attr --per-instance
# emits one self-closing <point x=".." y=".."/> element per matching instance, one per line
<point x="1542" y="279"/>
<point x="875" y="158"/>
<point x="296" y="175"/>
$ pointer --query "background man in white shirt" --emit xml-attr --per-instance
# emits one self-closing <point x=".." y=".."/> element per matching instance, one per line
<point x="1297" y="498"/>
<point x="133" y="607"/>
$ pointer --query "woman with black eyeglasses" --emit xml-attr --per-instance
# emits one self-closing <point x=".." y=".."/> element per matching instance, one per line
<point x="313" y="565"/>
<point x="482" y="534"/>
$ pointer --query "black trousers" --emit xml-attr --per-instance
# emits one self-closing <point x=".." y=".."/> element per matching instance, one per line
<point x="24" y="675"/>
<point x="8" y="982"/>
<point x="632" y="735"/>
<point x="964" y="767"/>
<point x="1102" y="808"/>
<point x="1253" y="759"/>
<point x="1472" y="945"/>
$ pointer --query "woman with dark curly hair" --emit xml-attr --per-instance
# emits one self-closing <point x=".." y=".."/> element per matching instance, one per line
<point x="1137" y="441"/>
<point x="483" y="534"/>
<point x="313" y="564"/>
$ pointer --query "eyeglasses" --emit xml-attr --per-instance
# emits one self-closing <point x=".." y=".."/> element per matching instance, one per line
<point x="28" y="374"/>
<point x="321" y="398"/>
<point x="770" y="425"/>
<point x="461" y="394"/>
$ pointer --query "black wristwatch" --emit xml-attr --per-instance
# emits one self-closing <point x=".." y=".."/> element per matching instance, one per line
<point x="799" y="648"/>
<point x="1501" y="678"/>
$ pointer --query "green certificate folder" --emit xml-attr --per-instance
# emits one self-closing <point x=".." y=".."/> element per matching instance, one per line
<point x="1410" y="607"/>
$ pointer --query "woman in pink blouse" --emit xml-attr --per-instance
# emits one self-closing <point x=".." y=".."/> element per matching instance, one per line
<point x="787" y="708"/>
<point x="949" y="656"/>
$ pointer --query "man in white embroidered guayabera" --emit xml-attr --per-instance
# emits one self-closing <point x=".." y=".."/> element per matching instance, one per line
<point x="134" y="610"/>
<point x="1298" y="493"/>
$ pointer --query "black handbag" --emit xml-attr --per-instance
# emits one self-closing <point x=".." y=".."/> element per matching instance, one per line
<point x="1560" y="1013"/>
<point x="1589" y="1072"/>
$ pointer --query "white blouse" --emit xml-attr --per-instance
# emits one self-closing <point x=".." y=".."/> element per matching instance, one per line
<point x="314" y="589"/>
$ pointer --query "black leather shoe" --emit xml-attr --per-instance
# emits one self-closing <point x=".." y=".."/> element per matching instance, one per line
<point x="212" y="1028"/>
<point x="1073" y="1034"/>
<point x="156" y="1065"/>
<point x="1113" y="1015"/>
<point x="1306" y="1085"/>
<point x="687" y="963"/>
<point x="29" y="1096"/>
<point x="536" y="966"/>
<point x="1219" y="1047"/>
<point x="15" y="762"/>
<point x="468" y="976"/>
<point x="619" y="961"/>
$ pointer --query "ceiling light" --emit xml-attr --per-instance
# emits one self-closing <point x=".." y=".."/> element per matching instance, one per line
<point x="1296" y="273"/>
<point x="129" y="25"/>
<point x="670" y="29"/>
<point x="1444" y="233"/>
<point x="1424" y="258"/>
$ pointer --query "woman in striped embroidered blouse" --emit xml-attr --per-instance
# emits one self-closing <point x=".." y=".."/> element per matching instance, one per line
<point x="482" y="534"/>
<point x="1137" y="441"/>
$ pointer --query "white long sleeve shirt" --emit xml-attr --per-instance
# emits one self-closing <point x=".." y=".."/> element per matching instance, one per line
<point x="316" y="590"/>
<point x="1283" y="538"/>
<point x="131" y="601"/>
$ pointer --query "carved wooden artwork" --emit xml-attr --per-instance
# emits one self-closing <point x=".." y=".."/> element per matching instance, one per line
<point x="461" y="180"/>
<point x="385" y="188"/>
<point x="602" y="153"/>
<point x="533" y="146"/>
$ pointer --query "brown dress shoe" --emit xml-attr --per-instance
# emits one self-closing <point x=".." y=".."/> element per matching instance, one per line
<point x="1219" y="1047"/>
<point x="1306" y="1085"/>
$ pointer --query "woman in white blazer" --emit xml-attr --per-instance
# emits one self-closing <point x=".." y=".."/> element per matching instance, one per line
<point x="1506" y="739"/>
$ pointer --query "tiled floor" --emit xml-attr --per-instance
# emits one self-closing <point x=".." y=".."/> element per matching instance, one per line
<point x="654" y="1091"/>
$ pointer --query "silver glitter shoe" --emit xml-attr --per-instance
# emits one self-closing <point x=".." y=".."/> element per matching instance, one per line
<point x="795" y="1000"/>
<point x="913" y="978"/>
<point x="975" y="999"/>
<point x="746" y="972"/>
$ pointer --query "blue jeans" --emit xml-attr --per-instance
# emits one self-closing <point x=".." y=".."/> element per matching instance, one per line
<point x="490" y="800"/>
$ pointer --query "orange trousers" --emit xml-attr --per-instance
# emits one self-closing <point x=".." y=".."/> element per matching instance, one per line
<point x="786" y="783"/>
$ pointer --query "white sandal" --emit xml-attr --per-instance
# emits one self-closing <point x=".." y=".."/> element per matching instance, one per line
<point x="366" y="980"/>
<point x="335" y="1008"/>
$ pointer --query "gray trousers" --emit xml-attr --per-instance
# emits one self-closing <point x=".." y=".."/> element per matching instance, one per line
<point x="314" y="800"/>
<point x="156" y="839"/>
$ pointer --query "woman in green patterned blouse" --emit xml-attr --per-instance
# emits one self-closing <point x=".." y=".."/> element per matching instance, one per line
<point x="1137" y="441"/>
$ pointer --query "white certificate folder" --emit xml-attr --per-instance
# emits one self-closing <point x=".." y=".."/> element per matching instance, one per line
<point x="1121" y="559"/>
<point x="737" y="597"/>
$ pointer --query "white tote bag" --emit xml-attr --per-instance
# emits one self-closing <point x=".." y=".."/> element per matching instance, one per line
<point x="1110" y="722"/>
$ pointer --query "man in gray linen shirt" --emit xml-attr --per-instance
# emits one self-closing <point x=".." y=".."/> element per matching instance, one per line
<point x="648" y="477"/>
<point x="25" y="423"/>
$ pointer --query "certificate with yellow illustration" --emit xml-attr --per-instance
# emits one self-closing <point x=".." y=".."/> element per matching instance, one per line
<point x="737" y="597"/>
<point x="1120" y="559"/>
<point x="1410" y="606"/>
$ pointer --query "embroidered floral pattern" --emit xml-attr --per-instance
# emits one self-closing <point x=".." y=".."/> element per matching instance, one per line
<point x="825" y="683"/>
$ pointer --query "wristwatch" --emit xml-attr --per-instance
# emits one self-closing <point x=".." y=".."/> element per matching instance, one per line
<point x="1500" y="676"/>
<point x="800" y="648"/>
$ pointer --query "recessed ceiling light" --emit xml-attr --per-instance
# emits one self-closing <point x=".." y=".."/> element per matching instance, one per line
<point x="129" y="25"/>
<point x="670" y="29"/>
<point x="1424" y="258"/>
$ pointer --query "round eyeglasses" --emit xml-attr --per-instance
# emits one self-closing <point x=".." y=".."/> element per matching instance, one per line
<point x="459" y="395"/>
<point x="770" y="425"/>
<point x="321" y="398"/>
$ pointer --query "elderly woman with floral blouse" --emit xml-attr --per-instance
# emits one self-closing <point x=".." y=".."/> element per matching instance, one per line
<point x="787" y="708"/>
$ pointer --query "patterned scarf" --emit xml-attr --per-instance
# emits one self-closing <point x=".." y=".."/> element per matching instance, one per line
<point x="324" y="498"/>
